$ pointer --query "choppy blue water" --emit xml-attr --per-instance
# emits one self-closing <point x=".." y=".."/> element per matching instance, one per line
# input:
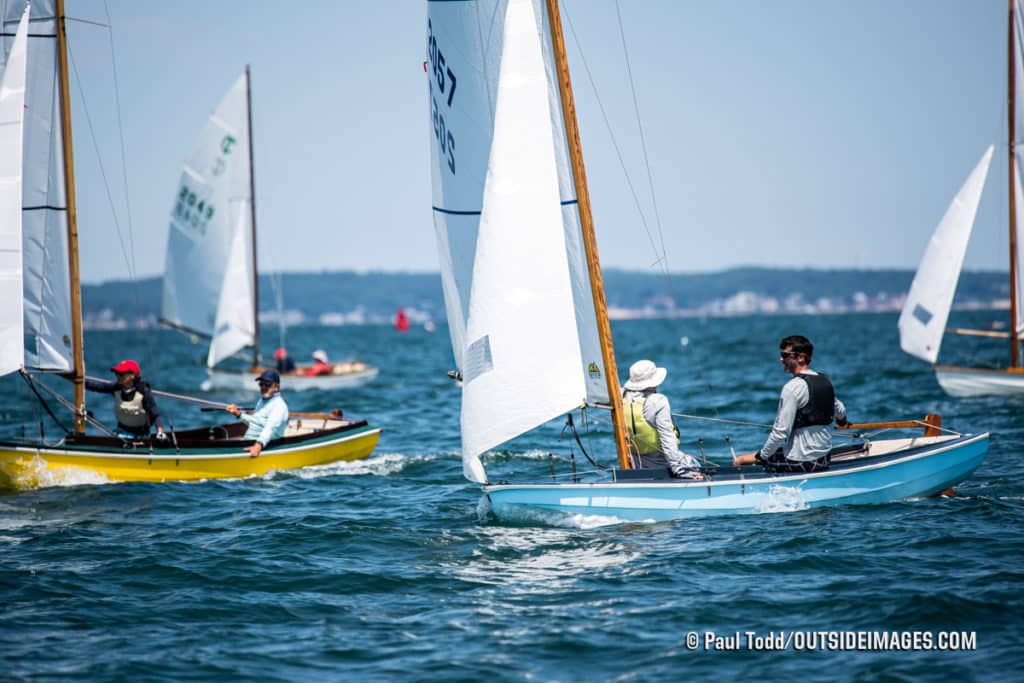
<point x="383" y="570"/>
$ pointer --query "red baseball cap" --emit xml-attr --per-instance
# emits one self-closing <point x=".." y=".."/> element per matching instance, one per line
<point x="127" y="366"/>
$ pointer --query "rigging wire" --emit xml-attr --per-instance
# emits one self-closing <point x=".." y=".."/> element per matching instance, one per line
<point x="99" y="161"/>
<point x="124" y="160"/>
<point x="657" y="246"/>
<point x="127" y="250"/>
<point x="643" y="140"/>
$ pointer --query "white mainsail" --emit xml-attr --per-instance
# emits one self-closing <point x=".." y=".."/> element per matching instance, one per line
<point x="12" y="108"/>
<point x="211" y="205"/>
<point x="46" y="278"/>
<point x="926" y="310"/>
<point x="464" y="51"/>
<point x="463" y="57"/>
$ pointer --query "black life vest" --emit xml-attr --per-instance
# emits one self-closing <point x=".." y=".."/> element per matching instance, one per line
<point x="821" y="402"/>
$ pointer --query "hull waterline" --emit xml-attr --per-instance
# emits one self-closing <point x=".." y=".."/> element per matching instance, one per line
<point x="963" y="382"/>
<point x="911" y="472"/>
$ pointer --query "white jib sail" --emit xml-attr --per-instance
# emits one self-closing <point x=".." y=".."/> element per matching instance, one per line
<point x="1018" y="154"/>
<point x="12" y="108"/>
<point x="521" y="364"/>
<point x="926" y="309"/>
<point x="236" y="325"/>
<point x="211" y="200"/>
<point x="46" y="278"/>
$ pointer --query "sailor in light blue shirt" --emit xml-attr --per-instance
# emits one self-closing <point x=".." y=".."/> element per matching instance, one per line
<point x="269" y="419"/>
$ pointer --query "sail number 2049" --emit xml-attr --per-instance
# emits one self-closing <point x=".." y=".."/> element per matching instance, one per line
<point x="442" y="82"/>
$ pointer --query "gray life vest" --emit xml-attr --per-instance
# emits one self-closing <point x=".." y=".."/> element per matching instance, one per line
<point x="130" y="412"/>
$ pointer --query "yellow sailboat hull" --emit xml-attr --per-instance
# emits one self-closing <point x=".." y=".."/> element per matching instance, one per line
<point x="31" y="466"/>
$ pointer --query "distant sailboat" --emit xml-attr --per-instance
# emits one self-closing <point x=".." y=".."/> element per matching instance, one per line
<point x="211" y="286"/>
<point x="40" y="306"/>
<point x="524" y="294"/>
<point x="923" y="320"/>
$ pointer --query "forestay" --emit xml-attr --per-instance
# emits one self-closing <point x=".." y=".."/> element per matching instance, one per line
<point x="926" y="309"/>
<point x="512" y="259"/>
<point x="46" y="278"/>
<point x="212" y="205"/>
<point x="12" y="107"/>
<point x="1018" y="154"/>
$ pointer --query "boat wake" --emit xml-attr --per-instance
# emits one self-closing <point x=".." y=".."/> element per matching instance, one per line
<point x="382" y="464"/>
<point x="552" y="518"/>
<point x="783" y="499"/>
<point x="34" y="474"/>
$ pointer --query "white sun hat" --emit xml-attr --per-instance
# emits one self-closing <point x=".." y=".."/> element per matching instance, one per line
<point x="644" y="374"/>
<point x="320" y="355"/>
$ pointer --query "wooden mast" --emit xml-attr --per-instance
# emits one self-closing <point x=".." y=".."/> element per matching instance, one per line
<point x="604" y="329"/>
<point x="1014" y="339"/>
<point x="252" y="206"/>
<point x="78" y="371"/>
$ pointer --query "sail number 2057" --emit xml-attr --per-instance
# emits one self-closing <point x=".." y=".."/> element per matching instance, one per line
<point x="442" y="82"/>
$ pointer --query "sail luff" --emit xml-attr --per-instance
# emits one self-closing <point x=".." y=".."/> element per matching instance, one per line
<point x="12" y="119"/>
<point x="252" y="209"/>
<point x="587" y="227"/>
<point x="1011" y="74"/>
<point x="78" y="370"/>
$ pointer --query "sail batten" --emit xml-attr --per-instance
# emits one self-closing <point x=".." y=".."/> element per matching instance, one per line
<point x="209" y="243"/>
<point x="926" y="310"/>
<point x="12" y="108"/>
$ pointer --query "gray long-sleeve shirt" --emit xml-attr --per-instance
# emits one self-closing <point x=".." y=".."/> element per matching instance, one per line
<point x="808" y="443"/>
<point x="658" y="414"/>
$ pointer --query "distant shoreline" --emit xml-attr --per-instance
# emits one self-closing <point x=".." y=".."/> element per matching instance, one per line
<point x="373" y="297"/>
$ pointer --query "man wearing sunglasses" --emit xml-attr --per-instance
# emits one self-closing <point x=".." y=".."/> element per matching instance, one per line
<point x="803" y="424"/>
<point x="269" y="419"/>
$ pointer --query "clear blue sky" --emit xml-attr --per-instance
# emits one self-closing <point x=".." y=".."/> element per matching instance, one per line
<point x="784" y="133"/>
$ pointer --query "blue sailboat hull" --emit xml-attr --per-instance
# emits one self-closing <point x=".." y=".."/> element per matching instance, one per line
<point x="917" y="470"/>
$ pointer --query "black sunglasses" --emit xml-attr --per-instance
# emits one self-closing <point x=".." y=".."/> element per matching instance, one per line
<point x="264" y="383"/>
<point x="789" y="354"/>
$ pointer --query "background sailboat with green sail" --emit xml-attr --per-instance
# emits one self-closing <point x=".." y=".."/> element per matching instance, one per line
<point x="922" y="323"/>
<point x="40" y="310"/>
<point x="211" y="283"/>
<point x="525" y="299"/>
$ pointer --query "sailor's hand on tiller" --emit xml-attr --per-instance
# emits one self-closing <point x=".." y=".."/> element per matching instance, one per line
<point x="234" y="410"/>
